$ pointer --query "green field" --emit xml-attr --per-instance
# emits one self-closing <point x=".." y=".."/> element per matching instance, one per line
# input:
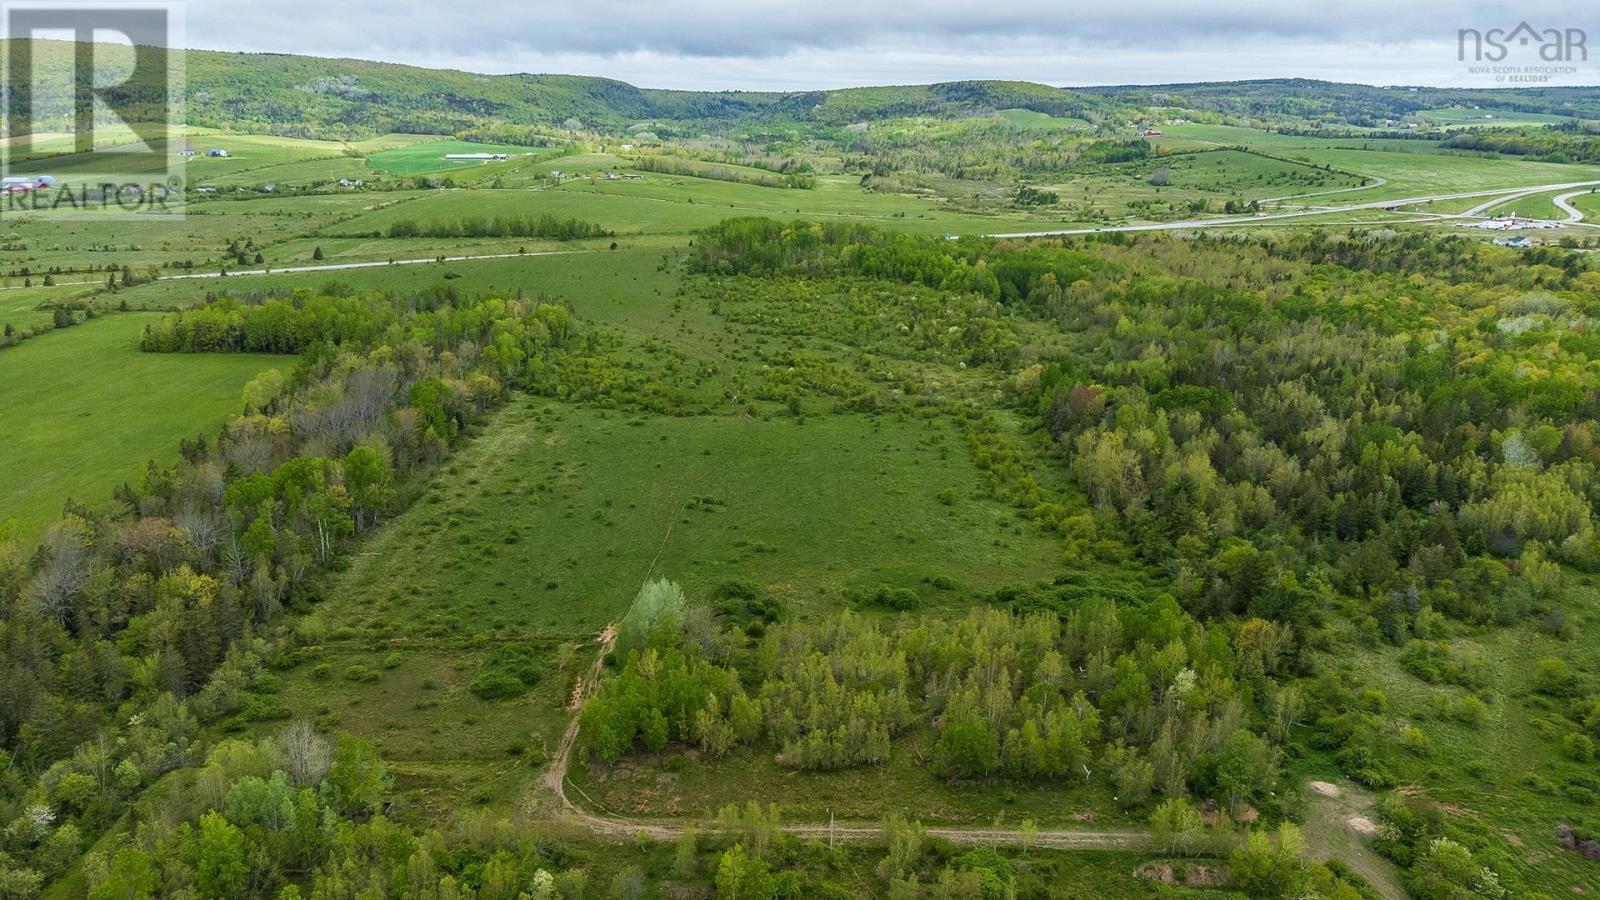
<point x="544" y="528"/>
<point x="428" y="158"/>
<point x="83" y="246"/>
<point x="679" y="204"/>
<point x="1489" y="118"/>
<point x="97" y="409"/>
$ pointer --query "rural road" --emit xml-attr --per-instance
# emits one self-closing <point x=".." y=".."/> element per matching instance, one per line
<point x="1564" y="203"/>
<point x="555" y="780"/>
<point x="329" y="267"/>
<point x="1495" y="197"/>
<point x="338" y="267"/>
<point x="1377" y="182"/>
<point x="1500" y="194"/>
<point x="1561" y="201"/>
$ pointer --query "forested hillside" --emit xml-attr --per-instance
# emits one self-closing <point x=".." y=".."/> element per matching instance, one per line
<point x="1351" y="104"/>
<point x="350" y="99"/>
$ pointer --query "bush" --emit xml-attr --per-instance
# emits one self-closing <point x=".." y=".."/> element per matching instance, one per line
<point x="1414" y="740"/>
<point x="898" y="599"/>
<point x="508" y="671"/>
<point x="361" y="674"/>
<point x="1469" y="710"/>
<point x="492" y="685"/>
<point x="742" y="602"/>
<point x="1555" y="678"/>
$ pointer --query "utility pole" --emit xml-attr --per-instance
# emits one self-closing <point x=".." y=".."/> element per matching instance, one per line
<point x="830" y="828"/>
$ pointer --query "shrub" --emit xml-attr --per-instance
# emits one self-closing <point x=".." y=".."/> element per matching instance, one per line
<point x="1469" y="710"/>
<point x="899" y="599"/>
<point x="492" y="685"/>
<point x="1555" y="678"/>
<point x="1414" y="740"/>
<point x="361" y="674"/>
<point x="742" y="602"/>
<point x="508" y="671"/>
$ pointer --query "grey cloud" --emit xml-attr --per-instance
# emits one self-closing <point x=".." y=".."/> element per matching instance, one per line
<point x="493" y="35"/>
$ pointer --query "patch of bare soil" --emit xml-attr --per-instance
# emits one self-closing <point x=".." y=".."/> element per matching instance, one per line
<point x="1324" y="788"/>
<point x="1362" y="825"/>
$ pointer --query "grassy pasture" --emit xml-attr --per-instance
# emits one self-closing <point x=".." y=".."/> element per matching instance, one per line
<point x="541" y="530"/>
<point x="245" y="152"/>
<point x="428" y="158"/>
<point x="20" y="307"/>
<point x="1452" y="116"/>
<point x="294" y="173"/>
<point x="679" y="204"/>
<point x="61" y="239"/>
<point x="562" y="511"/>
<point x="83" y="410"/>
<point x="1412" y="174"/>
<point x="1210" y="176"/>
<point x="393" y="140"/>
<point x="1588" y="204"/>
<point x="595" y="278"/>
<point x="1412" y="167"/>
<point x="1195" y="135"/>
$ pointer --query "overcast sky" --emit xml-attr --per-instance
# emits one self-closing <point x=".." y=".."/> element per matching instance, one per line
<point x="769" y="45"/>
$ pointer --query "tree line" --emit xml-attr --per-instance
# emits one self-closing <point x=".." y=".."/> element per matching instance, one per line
<point x="132" y="626"/>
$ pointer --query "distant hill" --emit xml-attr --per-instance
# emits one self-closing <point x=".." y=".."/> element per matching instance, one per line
<point x="348" y="98"/>
<point x="1345" y="104"/>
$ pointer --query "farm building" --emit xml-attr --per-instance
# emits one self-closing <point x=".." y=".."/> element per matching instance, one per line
<point x="21" y="184"/>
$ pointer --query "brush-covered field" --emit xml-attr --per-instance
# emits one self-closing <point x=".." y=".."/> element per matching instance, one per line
<point x="1176" y="549"/>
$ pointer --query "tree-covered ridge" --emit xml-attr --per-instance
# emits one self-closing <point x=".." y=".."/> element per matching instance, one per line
<point x="1362" y="105"/>
<point x="348" y="99"/>
<point x="1564" y="144"/>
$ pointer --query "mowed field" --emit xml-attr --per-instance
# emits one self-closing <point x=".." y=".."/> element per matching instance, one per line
<point x="82" y="410"/>
<point x="427" y="158"/>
